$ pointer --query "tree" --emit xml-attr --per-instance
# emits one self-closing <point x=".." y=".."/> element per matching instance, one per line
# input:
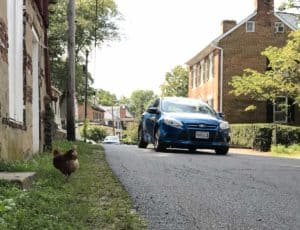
<point x="290" y="4"/>
<point x="71" y="72"/>
<point x="176" y="82"/>
<point x="140" y="100"/>
<point x="281" y="79"/>
<point x="105" y="97"/>
<point x="96" y="23"/>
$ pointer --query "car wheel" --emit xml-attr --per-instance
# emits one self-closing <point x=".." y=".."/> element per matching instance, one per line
<point x="141" y="142"/>
<point x="192" y="150"/>
<point x="158" y="146"/>
<point x="222" y="151"/>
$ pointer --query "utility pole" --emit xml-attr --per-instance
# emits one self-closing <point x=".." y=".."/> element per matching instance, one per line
<point x="71" y="72"/>
<point x="113" y="120"/>
<point x="85" y="93"/>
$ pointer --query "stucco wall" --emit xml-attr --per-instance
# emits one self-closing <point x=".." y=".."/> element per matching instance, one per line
<point x="15" y="139"/>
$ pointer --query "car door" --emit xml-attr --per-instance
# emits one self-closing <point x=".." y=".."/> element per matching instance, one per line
<point x="150" y="118"/>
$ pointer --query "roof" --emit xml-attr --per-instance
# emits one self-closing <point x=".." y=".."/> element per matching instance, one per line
<point x="289" y="19"/>
<point x="97" y="108"/>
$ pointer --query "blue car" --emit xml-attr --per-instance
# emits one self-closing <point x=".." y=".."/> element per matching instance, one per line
<point x="178" y="122"/>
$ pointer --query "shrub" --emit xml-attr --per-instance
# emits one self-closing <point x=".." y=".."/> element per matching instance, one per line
<point x="96" y="133"/>
<point x="130" y="135"/>
<point x="261" y="136"/>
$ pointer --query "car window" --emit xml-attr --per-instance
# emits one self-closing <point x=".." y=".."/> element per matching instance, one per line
<point x="186" y="106"/>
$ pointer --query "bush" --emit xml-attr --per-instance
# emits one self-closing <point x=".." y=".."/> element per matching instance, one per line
<point x="130" y="135"/>
<point x="96" y="133"/>
<point x="262" y="136"/>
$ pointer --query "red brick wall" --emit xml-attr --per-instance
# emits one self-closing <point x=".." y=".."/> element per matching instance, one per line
<point x="243" y="50"/>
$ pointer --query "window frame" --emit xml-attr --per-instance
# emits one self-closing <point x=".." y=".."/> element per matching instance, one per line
<point x="277" y="26"/>
<point x="15" y="60"/>
<point x="253" y="26"/>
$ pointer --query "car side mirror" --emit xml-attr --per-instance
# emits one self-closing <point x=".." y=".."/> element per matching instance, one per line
<point x="221" y="115"/>
<point x="153" y="110"/>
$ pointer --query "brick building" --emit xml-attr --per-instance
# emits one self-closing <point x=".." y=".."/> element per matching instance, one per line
<point x="237" y="48"/>
<point x="95" y="113"/>
<point x="25" y="86"/>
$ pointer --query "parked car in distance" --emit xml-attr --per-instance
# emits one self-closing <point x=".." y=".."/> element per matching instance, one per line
<point x="179" y="122"/>
<point x="111" y="140"/>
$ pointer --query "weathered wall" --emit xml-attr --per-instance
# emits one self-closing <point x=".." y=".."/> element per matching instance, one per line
<point x="16" y="139"/>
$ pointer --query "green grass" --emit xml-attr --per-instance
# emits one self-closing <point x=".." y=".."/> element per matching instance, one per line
<point x="281" y="150"/>
<point x="92" y="199"/>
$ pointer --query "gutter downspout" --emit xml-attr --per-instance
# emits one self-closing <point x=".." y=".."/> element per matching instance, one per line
<point x="221" y="76"/>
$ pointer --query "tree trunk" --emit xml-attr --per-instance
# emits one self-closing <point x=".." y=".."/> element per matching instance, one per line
<point x="71" y="72"/>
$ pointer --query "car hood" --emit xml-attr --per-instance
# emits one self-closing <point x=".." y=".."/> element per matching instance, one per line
<point x="194" y="118"/>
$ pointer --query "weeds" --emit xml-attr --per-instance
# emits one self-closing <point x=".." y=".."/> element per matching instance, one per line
<point x="92" y="199"/>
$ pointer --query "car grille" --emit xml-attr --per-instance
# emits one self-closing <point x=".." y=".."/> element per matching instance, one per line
<point x="201" y="126"/>
<point x="193" y="127"/>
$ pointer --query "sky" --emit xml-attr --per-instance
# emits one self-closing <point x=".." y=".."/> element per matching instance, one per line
<point x="157" y="35"/>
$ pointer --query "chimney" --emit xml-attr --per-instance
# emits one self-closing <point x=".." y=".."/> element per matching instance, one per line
<point x="227" y="25"/>
<point x="122" y="111"/>
<point x="266" y="6"/>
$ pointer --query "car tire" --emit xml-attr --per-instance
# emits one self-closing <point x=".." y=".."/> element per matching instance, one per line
<point x="192" y="150"/>
<point x="222" y="151"/>
<point x="158" y="146"/>
<point x="141" y="142"/>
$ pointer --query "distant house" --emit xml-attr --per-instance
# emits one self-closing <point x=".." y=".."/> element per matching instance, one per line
<point x="25" y="88"/>
<point x="237" y="48"/>
<point x="95" y="113"/>
<point x="117" y="117"/>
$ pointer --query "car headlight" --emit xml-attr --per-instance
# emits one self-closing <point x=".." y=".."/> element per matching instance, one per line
<point x="224" y="125"/>
<point x="173" y="122"/>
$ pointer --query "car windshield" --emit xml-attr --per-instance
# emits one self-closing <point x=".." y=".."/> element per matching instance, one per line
<point x="186" y="105"/>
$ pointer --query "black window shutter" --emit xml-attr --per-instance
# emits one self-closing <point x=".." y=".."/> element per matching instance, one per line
<point x="291" y="110"/>
<point x="269" y="111"/>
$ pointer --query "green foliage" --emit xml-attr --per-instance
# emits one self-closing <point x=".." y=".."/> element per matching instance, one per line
<point x="140" y="100"/>
<point x="105" y="97"/>
<point x="176" y="83"/>
<point x="289" y="4"/>
<point x="130" y="135"/>
<point x="96" y="133"/>
<point x="282" y="149"/>
<point x="93" y="28"/>
<point x="261" y="136"/>
<point x="87" y="201"/>
<point x="286" y="135"/>
<point x="93" y="132"/>
<point x="282" y="78"/>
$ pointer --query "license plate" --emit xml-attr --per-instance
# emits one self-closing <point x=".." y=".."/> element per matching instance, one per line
<point x="201" y="135"/>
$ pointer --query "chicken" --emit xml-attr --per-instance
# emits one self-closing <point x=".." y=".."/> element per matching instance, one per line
<point x="67" y="163"/>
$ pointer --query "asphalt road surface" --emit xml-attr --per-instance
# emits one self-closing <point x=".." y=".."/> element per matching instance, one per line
<point x="179" y="190"/>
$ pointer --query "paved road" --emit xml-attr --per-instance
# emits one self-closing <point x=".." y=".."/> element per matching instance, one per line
<point x="179" y="190"/>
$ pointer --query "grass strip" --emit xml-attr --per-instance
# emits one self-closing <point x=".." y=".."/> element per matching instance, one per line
<point x="93" y="198"/>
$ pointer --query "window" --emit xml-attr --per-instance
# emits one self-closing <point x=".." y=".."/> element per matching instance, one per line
<point x="211" y="63"/>
<point x="198" y="74"/>
<point x="281" y="109"/>
<point x="279" y="27"/>
<point x="210" y="101"/>
<point x="202" y="72"/>
<point x="15" y="59"/>
<point x="250" y="26"/>
<point x="194" y="75"/>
